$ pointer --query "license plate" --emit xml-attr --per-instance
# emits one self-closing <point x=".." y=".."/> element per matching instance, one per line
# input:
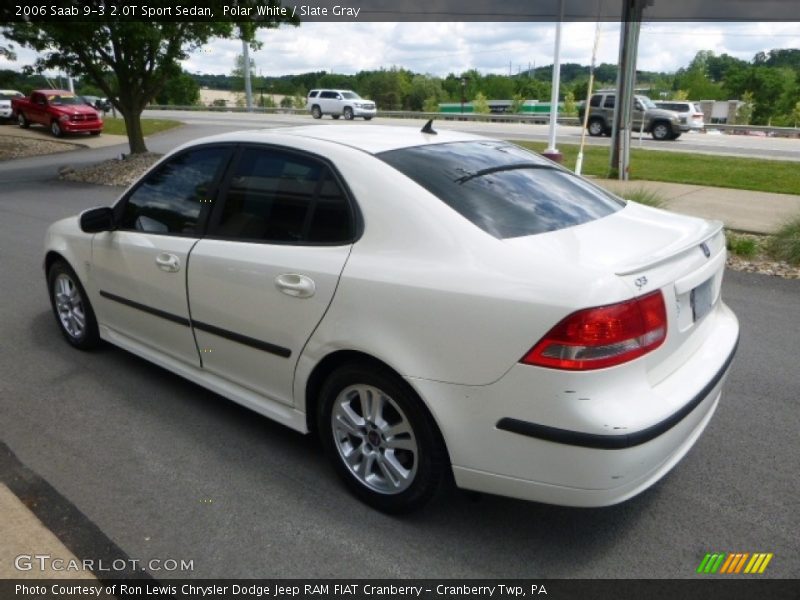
<point x="701" y="299"/>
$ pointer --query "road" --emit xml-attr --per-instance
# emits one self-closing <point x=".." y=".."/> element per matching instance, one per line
<point x="698" y="143"/>
<point x="165" y="469"/>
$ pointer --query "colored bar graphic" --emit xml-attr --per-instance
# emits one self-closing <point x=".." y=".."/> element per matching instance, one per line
<point x="733" y="562"/>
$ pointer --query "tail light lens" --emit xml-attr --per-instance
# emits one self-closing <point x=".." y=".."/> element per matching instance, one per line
<point x="604" y="336"/>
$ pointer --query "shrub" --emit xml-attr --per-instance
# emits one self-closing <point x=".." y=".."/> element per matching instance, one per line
<point x="645" y="196"/>
<point x="744" y="246"/>
<point x="785" y="244"/>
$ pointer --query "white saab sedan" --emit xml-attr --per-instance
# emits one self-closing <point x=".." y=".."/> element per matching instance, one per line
<point x="428" y="304"/>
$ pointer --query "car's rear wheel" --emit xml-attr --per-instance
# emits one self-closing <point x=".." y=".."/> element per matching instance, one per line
<point x="23" y="122"/>
<point x="55" y="129"/>
<point x="348" y="113"/>
<point x="71" y="307"/>
<point x="595" y="127"/>
<point x="661" y="131"/>
<point x="380" y="438"/>
<point x="316" y="112"/>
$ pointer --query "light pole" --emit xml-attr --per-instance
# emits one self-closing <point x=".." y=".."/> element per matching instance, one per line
<point x="552" y="152"/>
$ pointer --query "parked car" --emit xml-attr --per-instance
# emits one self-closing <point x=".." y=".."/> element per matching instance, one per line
<point x="60" y="110"/>
<point x="338" y="103"/>
<point x="6" y="111"/>
<point x="98" y="103"/>
<point x="429" y="305"/>
<point x="661" y="124"/>
<point x="692" y="118"/>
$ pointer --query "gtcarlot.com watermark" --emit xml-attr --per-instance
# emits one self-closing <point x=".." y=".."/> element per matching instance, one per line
<point x="48" y="563"/>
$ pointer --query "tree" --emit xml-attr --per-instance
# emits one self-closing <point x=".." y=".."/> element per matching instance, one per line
<point x="140" y="56"/>
<point x="480" y="105"/>
<point x="238" y="72"/>
<point x="570" y="108"/>
<point x="180" y="90"/>
<point x="796" y="114"/>
<point x="745" y="112"/>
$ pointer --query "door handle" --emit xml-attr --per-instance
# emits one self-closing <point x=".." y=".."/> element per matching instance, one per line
<point x="168" y="262"/>
<point x="295" y="285"/>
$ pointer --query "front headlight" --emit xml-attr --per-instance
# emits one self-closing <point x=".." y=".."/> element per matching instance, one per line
<point x="63" y="118"/>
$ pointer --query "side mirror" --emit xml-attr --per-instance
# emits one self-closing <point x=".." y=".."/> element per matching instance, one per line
<point x="96" y="220"/>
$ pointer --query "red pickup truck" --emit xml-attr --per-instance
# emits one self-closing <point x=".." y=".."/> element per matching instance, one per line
<point x="61" y="111"/>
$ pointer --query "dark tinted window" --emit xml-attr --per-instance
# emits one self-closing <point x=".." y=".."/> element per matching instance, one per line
<point x="170" y="198"/>
<point x="279" y="197"/>
<point x="609" y="103"/>
<point x="503" y="189"/>
<point x="313" y="94"/>
<point x="328" y="95"/>
<point x="595" y="101"/>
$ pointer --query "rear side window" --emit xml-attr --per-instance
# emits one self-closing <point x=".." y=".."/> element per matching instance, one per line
<point x="328" y="95"/>
<point x="282" y="197"/>
<point x="503" y="189"/>
<point x="313" y="94"/>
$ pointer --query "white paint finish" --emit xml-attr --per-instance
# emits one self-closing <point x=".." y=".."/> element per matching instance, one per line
<point x="232" y="286"/>
<point x="444" y="304"/>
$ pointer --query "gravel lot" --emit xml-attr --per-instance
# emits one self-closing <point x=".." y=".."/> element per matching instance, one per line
<point x="19" y="147"/>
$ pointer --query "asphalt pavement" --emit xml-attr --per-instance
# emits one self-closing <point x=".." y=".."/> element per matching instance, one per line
<point x="157" y="467"/>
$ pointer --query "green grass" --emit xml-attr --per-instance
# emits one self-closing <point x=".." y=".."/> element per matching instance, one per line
<point x="785" y="244"/>
<point x="149" y="126"/>
<point x="699" y="169"/>
<point x="643" y="196"/>
<point x="746" y="247"/>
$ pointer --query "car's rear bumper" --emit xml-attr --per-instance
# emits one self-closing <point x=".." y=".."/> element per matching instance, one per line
<point x="508" y="438"/>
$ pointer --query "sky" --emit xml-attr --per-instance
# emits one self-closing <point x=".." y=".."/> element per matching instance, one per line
<point x="442" y="48"/>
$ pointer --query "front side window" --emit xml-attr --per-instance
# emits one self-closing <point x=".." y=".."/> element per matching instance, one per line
<point x="170" y="199"/>
<point x="502" y="188"/>
<point x="282" y="197"/>
<point x="609" y="103"/>
<point x="595" y="101"/>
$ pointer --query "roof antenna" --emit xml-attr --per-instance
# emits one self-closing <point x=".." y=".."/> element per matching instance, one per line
<point x="429" y="128"/>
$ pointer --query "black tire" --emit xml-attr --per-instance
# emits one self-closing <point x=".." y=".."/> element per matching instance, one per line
<point x="595" y="127"/>
<point x="89" y="337"/>
<point x="23" y="122"/>
<point x="675" y="136"/>
<point x="94" y="132"/>
<point x="336" y="116"/>
<point x="368" y="118"/>
<point x="661" y="131"/>
<point x="348" y="113"/>
<point x="426" y="466"/>
<point x="55" y="129"/>
<point x="316" y="112"/>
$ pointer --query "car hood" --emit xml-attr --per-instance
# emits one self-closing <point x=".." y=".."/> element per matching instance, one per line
<point x="76" y="110"/>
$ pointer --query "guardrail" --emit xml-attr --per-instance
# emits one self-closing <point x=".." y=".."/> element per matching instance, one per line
<point x="536" y="119"/>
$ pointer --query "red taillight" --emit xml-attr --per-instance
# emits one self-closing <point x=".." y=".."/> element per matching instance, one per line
<point x="604" y="336"/>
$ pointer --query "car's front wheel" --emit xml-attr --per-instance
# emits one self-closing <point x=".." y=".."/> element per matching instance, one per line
<point x="55" y="129"/>
<point x="348" y="113"/>
<point x="71" y="307"/>
<point x="380" y="438"/>
<point x="23" y="122"/>
<point x="661" y="131"/>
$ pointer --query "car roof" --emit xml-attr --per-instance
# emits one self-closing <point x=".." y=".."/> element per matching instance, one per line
<point x="368" y="138"/>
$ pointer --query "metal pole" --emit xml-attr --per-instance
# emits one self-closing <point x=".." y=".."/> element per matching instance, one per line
<point x="579" y="161"/>
<point x="248" y="88"/>
<point x="552" y="152"/>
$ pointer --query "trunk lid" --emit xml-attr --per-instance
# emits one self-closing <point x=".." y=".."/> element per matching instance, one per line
<point x="649" y="249"/>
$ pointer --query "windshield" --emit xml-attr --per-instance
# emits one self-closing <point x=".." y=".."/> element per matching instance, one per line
<point x="502" y="188"/>
<point x="351" y="95"/>
<point x="6" y="96"/>
<point x="646" y="102"/>
<point x="64" y="100"/>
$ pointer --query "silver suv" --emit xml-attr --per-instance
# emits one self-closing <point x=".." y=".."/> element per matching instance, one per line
<point x="338" y="103"/>
<point x="661" y="124"/>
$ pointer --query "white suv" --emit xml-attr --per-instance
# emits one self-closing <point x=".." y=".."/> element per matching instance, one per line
<point x="339" y="103"/>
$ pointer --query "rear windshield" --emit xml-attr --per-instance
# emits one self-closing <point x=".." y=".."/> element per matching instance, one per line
<point x="502" y="188"/>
